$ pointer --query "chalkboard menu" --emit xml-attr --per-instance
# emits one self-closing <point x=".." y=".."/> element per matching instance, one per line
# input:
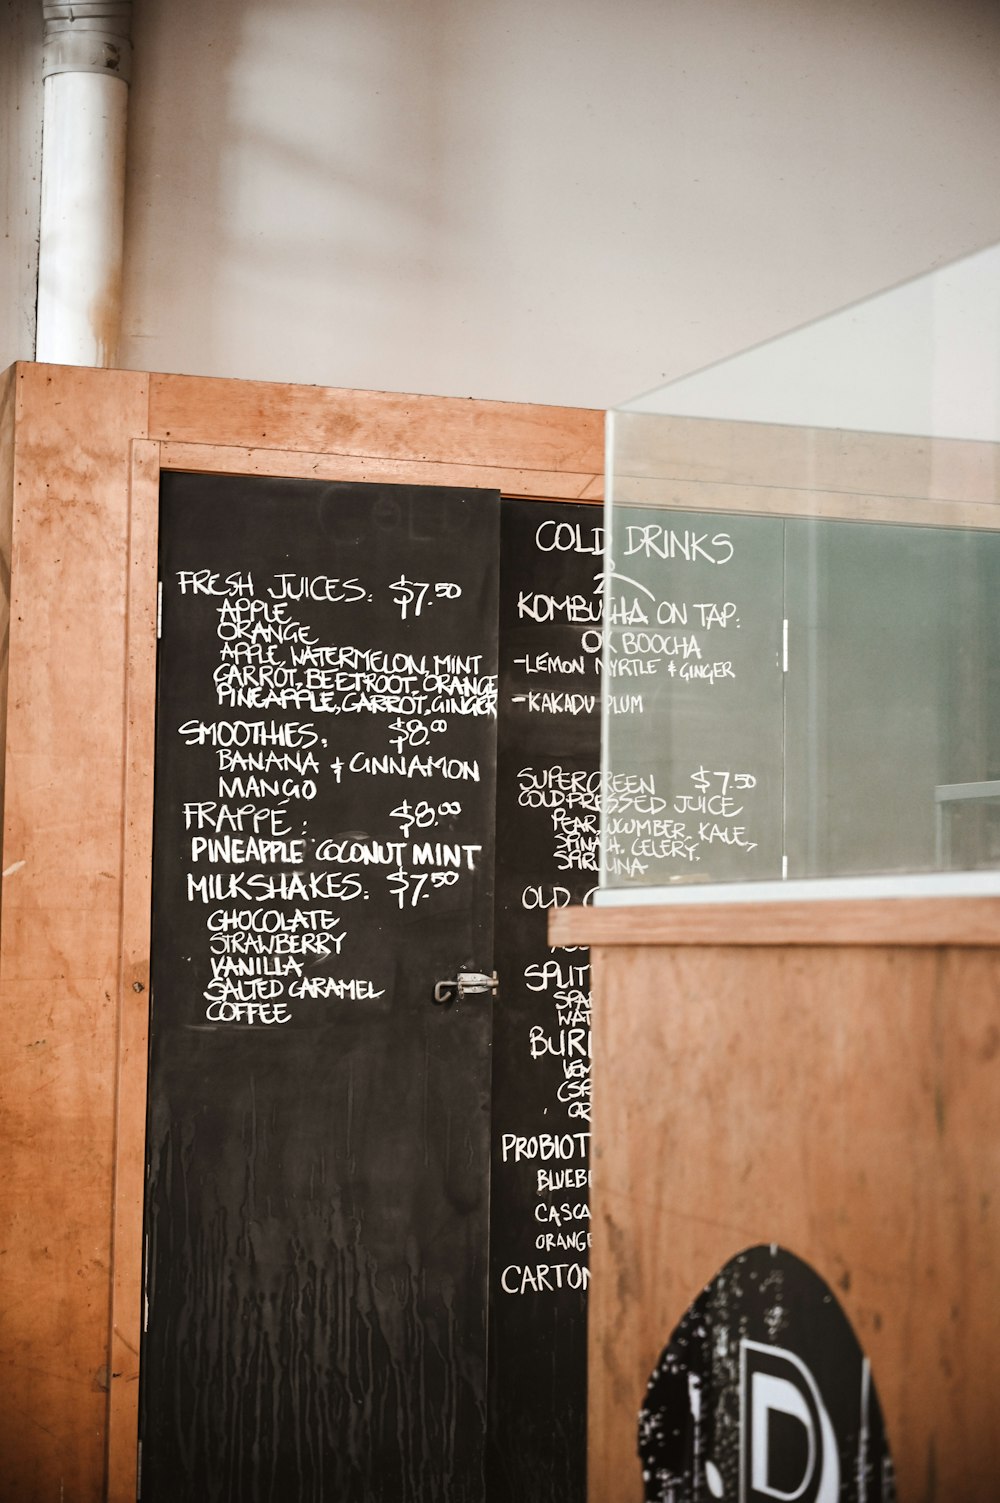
<point x="695" y="698"/>
<point x="548" y="804"/>
<point x="318" y="1133"/>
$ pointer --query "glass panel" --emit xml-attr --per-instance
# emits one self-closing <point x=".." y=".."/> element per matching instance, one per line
<point x="922" y="358"/>
<point x="843" y="654"/>
<point x="693" y="698"/>
<point x="892" y="700"/>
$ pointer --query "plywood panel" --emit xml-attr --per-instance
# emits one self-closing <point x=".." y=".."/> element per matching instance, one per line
<point x="8" y="402"/>
<point x="34" y="933"/>
<point x="843" y="1102"/>
<point x="260" y="415"/>
<point x="74" y="427"/>
<point x="853" y="921"/>
<point x="62" y="894"/>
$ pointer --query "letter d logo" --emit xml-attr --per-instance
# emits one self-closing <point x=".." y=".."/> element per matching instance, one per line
<point x="788" y="1450"/>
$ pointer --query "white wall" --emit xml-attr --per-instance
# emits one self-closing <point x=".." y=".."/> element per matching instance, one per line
<point x="562" y="202"/>
<point x="20" y="174"/>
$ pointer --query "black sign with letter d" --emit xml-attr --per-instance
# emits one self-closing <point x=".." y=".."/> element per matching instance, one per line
<point x="764" y="1394"/>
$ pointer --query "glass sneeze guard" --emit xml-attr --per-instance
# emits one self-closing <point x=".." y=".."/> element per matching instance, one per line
<point x="802" y="605"/>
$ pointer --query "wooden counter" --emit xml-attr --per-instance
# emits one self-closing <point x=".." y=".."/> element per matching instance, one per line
<point x="824" y="1076"/>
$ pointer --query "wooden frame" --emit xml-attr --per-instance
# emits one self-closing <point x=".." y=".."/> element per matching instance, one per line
<point x="80" y="458"/>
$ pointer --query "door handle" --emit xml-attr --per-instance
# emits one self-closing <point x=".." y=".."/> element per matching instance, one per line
<point x="465" y="984"/>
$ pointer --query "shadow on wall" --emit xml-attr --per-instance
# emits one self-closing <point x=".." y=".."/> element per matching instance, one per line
<point x="562" y="203"/>
<point x="299" y="173"/>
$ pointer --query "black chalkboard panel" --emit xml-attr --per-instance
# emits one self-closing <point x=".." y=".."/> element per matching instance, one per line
<point x="548" y="788"/>
<point x="317" y="1144"/>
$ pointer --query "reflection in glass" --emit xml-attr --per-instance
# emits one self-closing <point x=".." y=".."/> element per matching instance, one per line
<point x="802" y="602"/>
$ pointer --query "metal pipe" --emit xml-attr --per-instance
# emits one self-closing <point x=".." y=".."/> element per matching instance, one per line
<point x="86" y="63"/>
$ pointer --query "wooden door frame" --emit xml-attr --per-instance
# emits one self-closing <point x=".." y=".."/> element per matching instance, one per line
<point x="82" y="451"/>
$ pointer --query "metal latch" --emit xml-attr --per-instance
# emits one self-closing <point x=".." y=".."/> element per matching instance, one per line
<point x="465" y="984"/>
